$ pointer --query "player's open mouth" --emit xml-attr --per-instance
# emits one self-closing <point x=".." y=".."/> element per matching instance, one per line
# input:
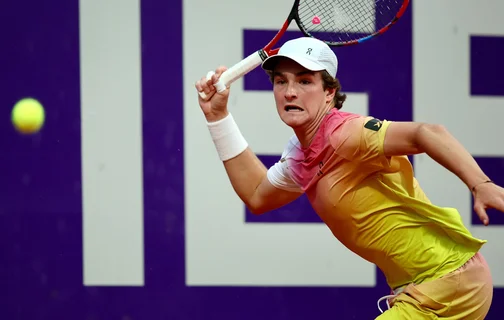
<point x="292" y="108"/>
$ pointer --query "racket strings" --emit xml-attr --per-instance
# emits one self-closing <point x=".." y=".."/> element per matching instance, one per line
<point x="338" y="16"/>
<point x="340" y="21"/>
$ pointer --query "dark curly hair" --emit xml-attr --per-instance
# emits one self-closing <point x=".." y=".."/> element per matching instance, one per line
<point x="330" y="82"/>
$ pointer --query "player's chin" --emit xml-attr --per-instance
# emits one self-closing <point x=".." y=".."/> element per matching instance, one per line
<point x="294" y="118"/>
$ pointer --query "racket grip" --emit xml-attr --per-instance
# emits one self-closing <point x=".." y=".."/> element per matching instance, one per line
<point x="235" y="72"/>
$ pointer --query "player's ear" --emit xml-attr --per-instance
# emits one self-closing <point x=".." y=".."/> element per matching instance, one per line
<point x="330" y="92"/>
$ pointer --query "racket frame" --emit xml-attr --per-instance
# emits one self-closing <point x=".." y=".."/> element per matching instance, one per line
<point x="255" y="59"/>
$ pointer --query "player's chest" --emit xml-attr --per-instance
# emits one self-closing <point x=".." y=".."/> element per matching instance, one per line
<point x="307" y="169"/>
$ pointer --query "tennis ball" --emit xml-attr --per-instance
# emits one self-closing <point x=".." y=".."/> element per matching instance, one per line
<point x="28" y="116"/>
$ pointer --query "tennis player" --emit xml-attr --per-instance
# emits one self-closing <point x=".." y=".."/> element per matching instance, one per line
<point x="355" y="171"/>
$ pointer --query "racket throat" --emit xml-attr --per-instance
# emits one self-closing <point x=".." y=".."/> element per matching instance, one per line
<point x="262" y="54"/>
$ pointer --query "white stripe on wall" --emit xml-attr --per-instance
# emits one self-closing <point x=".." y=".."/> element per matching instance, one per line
<point x="111" y="142"/>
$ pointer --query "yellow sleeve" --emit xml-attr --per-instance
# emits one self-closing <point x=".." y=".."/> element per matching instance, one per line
<point x="361" y="139"/>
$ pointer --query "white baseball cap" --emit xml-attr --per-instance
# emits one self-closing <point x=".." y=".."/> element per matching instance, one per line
<point x="311" y="53"/>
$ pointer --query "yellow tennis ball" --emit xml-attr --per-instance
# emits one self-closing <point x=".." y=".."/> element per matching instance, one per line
<point x="28" y="115"/>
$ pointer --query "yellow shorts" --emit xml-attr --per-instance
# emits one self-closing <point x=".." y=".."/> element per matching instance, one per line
<point x="465" y="293"/>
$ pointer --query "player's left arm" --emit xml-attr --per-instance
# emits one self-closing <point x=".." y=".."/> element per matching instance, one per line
<point x="407" y="138"/>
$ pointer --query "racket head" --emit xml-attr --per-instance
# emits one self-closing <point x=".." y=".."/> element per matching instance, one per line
<point x="347" y="22"/>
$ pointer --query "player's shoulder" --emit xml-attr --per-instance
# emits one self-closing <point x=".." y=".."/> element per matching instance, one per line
<point x="361" y="122"/>
<point x="336" y="118"/>
<point x="338" y="121"/>
<point x="292" y="147"/>
<point x="293" y="141"/>
<point x="351" y="128"/>
<point x="374" y="124"/>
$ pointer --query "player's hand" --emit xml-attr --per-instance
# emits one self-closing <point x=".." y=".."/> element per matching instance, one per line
<point x="214" y="108"/>
<point x="487" y="195"/>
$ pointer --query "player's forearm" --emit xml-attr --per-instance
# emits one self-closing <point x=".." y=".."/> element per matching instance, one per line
<point x="442" y="147"/>
<point x="246" y="172"/>
<point x="244" y="169"/>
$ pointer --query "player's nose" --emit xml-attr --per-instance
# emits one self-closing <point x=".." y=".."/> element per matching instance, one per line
<point x="290" y="92"/>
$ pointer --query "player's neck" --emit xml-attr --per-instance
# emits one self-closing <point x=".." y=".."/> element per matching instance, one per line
<point x="305" y="138"/>
<point x="306" y="134"/>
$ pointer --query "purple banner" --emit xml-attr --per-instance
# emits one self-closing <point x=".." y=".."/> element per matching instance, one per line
<point x="487" y="65"/>
<point x="41" y="273"/>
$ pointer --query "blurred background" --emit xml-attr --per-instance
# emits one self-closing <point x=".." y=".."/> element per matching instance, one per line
<point x="118" y="208"/>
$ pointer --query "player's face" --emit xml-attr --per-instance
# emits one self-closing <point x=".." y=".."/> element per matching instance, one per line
<point x="299" y="94"/>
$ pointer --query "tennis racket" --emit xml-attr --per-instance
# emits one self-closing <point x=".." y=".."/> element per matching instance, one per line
<point x="338" y="23"/>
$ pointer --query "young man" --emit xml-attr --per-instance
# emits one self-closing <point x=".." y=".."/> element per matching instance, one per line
<point x="355" y="171"/>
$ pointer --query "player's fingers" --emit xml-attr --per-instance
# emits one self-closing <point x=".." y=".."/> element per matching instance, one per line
<point x="198" y="86"/>
<point x="220" y="70"/>
<point x="500" y="205"/>
<point x="206" y="85"/>
<point x="216" y="76"/>
<point x="481" y="212"/>
<point x="209" y="86"/>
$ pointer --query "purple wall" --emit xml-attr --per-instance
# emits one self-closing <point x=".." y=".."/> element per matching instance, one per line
<point x="41" y="274"/>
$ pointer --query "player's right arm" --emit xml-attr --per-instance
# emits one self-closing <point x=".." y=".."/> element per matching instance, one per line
<point x="251" y="180"/>
<point x="253" y="183"/>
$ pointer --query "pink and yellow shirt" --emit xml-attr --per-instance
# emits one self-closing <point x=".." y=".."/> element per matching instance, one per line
<point x="372" y="203"/>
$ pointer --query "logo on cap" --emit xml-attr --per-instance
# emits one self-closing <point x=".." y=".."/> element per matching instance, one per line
<point x="309" y="51"/>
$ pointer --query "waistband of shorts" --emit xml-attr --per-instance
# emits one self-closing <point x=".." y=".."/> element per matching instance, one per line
<point x="400" y="289"/>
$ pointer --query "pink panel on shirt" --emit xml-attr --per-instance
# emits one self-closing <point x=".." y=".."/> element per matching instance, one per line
<point x="307" y="165"/>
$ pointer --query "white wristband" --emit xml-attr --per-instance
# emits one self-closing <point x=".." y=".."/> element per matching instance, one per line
<point x="227" y="138"/>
